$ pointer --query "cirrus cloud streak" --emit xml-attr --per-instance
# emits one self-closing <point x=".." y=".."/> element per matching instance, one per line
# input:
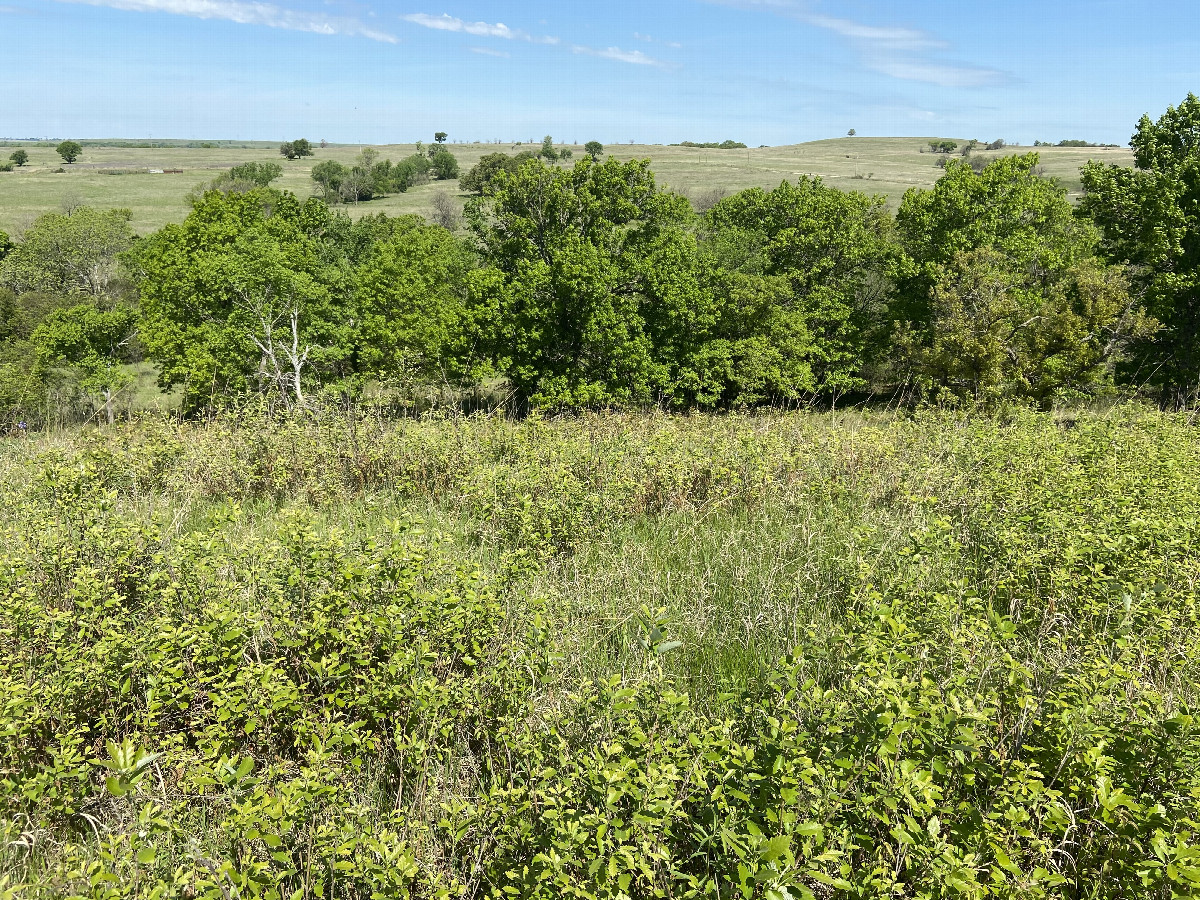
<point x="249" y="13"/>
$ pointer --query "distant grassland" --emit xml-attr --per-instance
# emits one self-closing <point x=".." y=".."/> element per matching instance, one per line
<point x="884" y="166"/>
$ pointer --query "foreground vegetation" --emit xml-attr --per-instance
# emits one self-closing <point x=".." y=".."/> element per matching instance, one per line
<point x="784" y="655"/>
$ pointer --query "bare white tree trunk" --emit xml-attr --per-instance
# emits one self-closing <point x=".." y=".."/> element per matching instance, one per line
<point x="297" y="357"/>
<point x="281" y="362"/>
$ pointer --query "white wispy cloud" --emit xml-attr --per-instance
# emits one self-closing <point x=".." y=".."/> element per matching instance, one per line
<point x="894" y="38"/>
<point x="250" y="13"/>
<point x="635" y="57"/>
<point x="446" y="22"/>
<point x="941" y="74"/>
<point x="908" y="54"/>
<point x="650" y="39"/>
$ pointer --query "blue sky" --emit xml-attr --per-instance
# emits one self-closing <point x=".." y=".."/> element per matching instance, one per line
<point x="760" y="71"/>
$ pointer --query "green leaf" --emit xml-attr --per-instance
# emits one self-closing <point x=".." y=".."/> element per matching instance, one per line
<point x="775" y="848"/>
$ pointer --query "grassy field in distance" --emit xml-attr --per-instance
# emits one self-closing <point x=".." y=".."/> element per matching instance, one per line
<point x="884" y="166"/>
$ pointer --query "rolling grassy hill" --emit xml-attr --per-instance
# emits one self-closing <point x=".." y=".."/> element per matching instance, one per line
<point x="885" y="166"/>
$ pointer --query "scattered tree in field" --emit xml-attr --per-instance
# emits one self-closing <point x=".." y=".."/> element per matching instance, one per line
<point x="444" y="165"/>
<point x="19" y="157"/>
<point x="358" y="184"/>
<point x="943" y="146"/>
<point x="329" y="176"/>
<point x="998" y="144"/>
<point x="548" y="152"/>
<point x="851" y="133"/>
<point x="295" y="149"/>
<point x="1150" y="219"/>
<point x="444" y="213"/>
<point x="69" y="151"/>
<point x="594" y="149"/>
<point x="248" y="176"/>
<point x="440" y="137"/>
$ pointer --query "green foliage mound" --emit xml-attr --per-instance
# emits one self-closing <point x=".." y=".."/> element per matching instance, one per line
<point x="235" y="664"/>
<point x="1150" y="219"/>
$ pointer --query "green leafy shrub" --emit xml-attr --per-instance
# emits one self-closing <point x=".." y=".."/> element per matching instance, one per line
<point x="213" y="688"/>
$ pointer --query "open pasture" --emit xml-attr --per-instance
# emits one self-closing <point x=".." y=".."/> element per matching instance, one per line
<point x="885" y="166"/>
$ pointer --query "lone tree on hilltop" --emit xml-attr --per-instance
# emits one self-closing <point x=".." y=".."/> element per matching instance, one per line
<point x="69" y="151"/>
<point x="594" y="149"/>
<point x="19" y="158"/>
<point x="851" y="133"/>
<point x="440" y="137"/>
<point x="548" y="152"/>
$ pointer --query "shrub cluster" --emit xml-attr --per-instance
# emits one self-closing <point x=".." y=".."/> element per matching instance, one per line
<point x="210" y="694"/>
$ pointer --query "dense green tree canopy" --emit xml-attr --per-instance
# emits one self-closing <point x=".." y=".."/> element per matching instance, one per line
<point x="94" y="341"/>
<point x="69" y="253"/>
<point x="444" y="165"/>
<point x="410" y="304"/>
<point x="1010" y="299"/>
<point x="69" y="151"/>
<point x="23" y="387"/>
<point x="1005" y="206"/>
<point x="1000" y="330"/>
<point x="243" y="294"/>
<point x="481" y="176"/>
<point x="839" y="254"/>
<point x="573" y="267"/>
<point x="1150" y="219"/>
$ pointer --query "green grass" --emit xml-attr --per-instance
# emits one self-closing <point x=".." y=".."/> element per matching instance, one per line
<point x="893" y="165"/>
<point x="846" y="654"/>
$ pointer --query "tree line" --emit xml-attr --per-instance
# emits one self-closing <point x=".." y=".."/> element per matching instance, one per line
<point x="591" y="285"/>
